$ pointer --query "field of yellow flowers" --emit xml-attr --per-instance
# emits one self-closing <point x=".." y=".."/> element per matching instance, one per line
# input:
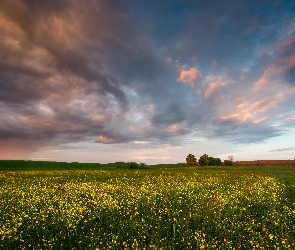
<point x="185" y="208"/>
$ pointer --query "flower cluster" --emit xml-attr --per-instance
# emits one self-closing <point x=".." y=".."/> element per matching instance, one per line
<point x="145" y="209"/>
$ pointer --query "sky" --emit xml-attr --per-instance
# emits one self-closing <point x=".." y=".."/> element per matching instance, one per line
<point x="147" y="81"/>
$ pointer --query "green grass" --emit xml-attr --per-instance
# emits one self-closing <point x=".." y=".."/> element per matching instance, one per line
<point x="178" y="208"/>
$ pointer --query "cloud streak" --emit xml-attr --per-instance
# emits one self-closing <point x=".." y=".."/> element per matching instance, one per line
<point x="282" y="149"/>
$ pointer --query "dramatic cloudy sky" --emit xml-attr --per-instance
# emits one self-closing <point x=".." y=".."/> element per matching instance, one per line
<point x="147" y="81"/>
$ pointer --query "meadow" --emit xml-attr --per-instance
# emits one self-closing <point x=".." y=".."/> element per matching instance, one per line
<point x="163" y="208"/>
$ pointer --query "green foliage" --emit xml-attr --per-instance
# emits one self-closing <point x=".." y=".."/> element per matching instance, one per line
<point x="211" y="161"/>
<point x="191" y="160"/>
<point x="218" y="162"/>
<point x="133" y="165"/>
<point x="143" y="166"/>
<point x="214" y="161"/>
<point x="204" y="160"/>
<point x="228" y="163"/>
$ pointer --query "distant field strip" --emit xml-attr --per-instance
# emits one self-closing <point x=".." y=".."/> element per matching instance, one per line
<point x="147" y="209"/>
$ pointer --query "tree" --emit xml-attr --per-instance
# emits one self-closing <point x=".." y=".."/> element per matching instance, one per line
<point x="191" y="160"/>
<point x="214" y="161"/>
<point x="133" y="165"/>
<point x="211" y="161"/>
<point x="204" y="160"/>
<point x="143" y="166"/>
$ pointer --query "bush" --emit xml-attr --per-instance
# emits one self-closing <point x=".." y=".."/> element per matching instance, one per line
<point x="228" y="163"/>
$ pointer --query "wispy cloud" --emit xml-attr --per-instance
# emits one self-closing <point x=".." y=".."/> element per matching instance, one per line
<point x="283" y="149"/>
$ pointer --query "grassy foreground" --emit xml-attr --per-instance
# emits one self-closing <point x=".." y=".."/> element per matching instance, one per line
<point x="185" y="208"/>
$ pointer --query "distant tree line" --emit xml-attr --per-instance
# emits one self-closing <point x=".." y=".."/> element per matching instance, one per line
<point x="206" y="160"/>
<point x="135" y="165"/>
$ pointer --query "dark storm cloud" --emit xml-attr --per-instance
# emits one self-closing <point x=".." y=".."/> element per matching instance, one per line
<point x="247" y="132"/>
<point x="55" y="83"/>
<point x="172" y="113"/>
<point x="63" y="33"/>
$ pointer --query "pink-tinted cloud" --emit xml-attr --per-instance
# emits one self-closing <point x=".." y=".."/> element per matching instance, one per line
<point x="246" y="110"/>
<point x="190" y="76"/>
<point x="260" y="120"/>
<point x="286" y="45"/>
<point x="267" y="79"/>
<point x="105" y="139"/>
<point x="286" y="60"/>
<point x="289" y="63"/>
<point x="231" y="116"/>
<point x="174" y="129"/>
<point x="241" y="116"/>
<point x="280" y="68"/>
<point x="213" y="87"/>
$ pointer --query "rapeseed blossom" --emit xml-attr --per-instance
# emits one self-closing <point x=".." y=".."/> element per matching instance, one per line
<point x="151" y="209"/>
